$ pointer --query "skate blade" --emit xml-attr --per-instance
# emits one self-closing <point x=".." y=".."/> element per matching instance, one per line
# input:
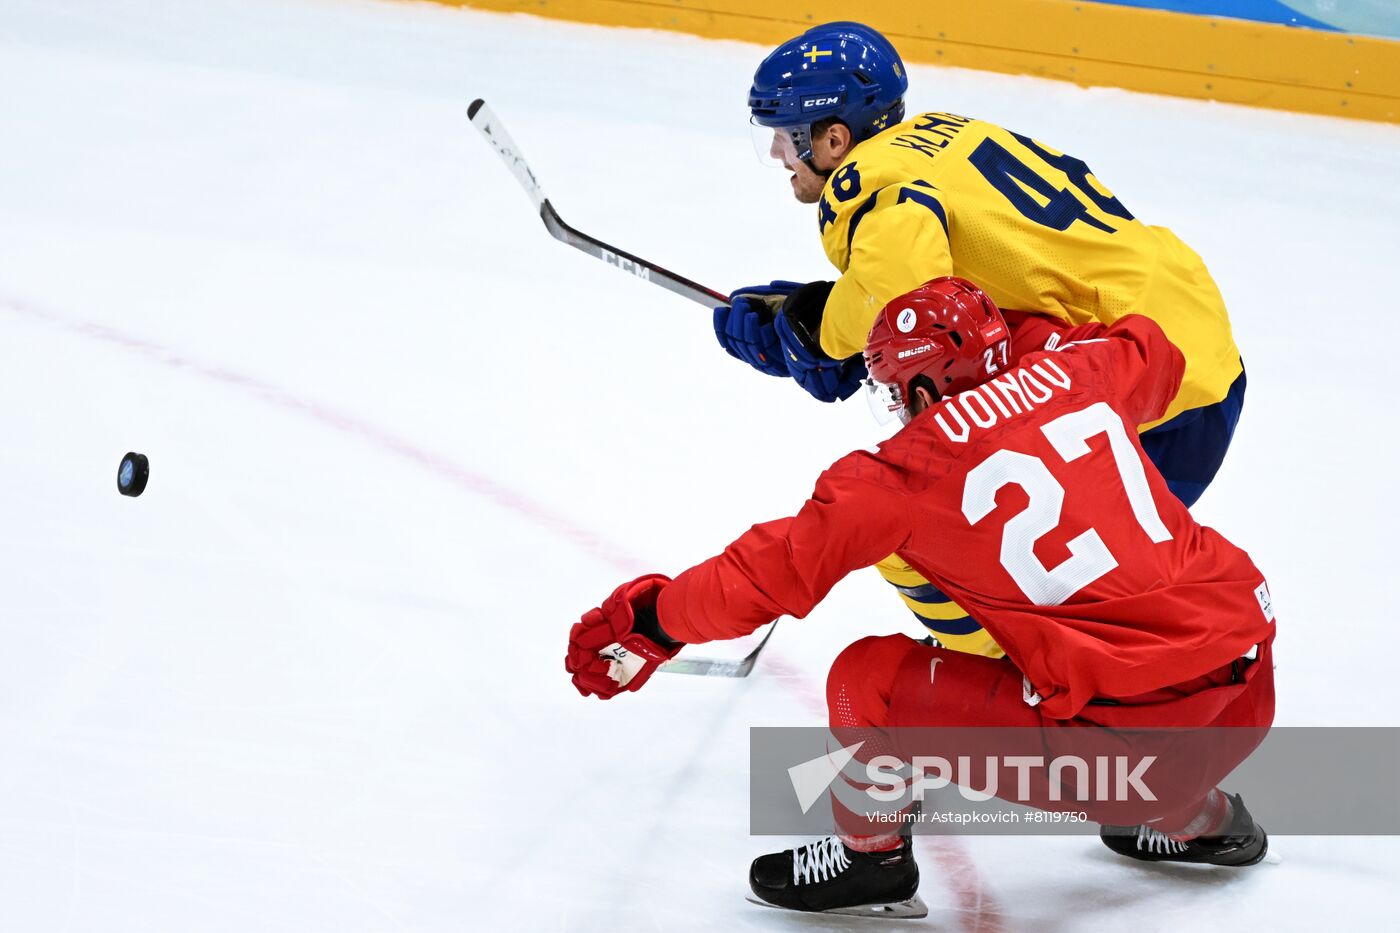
<point x="912" y="909"/>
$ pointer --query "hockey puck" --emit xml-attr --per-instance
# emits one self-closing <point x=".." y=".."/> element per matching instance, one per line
<point x="132" y="474"/>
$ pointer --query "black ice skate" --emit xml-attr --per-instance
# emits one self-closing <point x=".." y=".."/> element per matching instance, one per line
<point x="1243" y="842"/>
<point x="827" y="876"/>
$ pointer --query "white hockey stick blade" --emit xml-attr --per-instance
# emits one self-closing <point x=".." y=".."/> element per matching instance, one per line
<point x="495" y="134"/>
<point x="719" y="667"/>
<point x="709" y="667"/>
<point x="912" y="909"/>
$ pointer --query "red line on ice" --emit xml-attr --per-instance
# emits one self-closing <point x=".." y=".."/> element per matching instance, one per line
<point x="472" y="481"/>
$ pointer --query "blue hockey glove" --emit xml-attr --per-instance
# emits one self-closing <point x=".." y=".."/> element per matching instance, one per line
<point x="798" y="327"/>
<point x="745" y="328"/>
<point x="826" y="379"/>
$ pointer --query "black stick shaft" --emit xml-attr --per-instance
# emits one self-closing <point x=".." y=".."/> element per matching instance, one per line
<point x="491" y="129"/>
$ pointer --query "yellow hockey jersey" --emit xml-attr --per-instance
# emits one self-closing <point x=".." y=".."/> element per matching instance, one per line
<point x="947" y="195"/>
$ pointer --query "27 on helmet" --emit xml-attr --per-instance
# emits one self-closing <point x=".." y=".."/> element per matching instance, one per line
<point x="947" y="330"/>
<point x="844" y="70"/>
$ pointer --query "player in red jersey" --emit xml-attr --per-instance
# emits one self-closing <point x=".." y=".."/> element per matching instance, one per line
<point x="1020" y="489"/>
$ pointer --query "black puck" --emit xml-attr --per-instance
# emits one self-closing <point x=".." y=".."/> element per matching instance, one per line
<point x="132" y="474"/>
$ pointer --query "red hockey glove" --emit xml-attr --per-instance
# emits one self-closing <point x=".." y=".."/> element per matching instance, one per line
<point x="619" y="645"/>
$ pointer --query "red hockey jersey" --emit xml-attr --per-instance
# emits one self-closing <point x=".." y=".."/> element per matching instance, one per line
<point x="1030" y="502"/>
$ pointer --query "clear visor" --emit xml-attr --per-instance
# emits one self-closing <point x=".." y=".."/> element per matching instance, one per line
<point x="778" y="147"/>
<point x="886" y="402"/>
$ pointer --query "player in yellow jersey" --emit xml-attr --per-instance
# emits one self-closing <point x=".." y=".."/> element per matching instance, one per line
<point x="900" y="202"/>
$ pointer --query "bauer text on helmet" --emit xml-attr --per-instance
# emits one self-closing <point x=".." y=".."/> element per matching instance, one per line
<point x="944" y="337"/>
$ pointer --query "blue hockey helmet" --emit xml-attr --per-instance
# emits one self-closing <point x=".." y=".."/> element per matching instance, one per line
<point x="844" y="70"/>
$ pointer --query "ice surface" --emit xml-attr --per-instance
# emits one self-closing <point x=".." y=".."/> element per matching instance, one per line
<point x="399" y="439"/>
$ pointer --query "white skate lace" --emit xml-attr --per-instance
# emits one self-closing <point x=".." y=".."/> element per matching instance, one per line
<point x="1158" y="842"/>
<point x="818" y="861"/>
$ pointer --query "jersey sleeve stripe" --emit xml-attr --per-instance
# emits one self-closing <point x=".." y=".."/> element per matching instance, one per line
<point x="964" y="626"/>
<point x="928" y="593"/>
<point x="927" y="200"/>
<point x="858" y="215"/>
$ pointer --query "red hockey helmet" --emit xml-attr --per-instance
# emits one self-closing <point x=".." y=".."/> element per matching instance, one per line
<point x="946" y="329"/>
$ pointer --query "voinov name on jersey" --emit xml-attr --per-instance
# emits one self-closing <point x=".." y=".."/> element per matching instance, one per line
<point x="1001" y="397"/>
<point x="626" y="265"/>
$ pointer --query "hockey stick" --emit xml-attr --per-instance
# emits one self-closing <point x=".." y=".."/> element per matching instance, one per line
<point x="489" y="125"/>
<point x="719" y="667"/>
<point x="625" y="664"/>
